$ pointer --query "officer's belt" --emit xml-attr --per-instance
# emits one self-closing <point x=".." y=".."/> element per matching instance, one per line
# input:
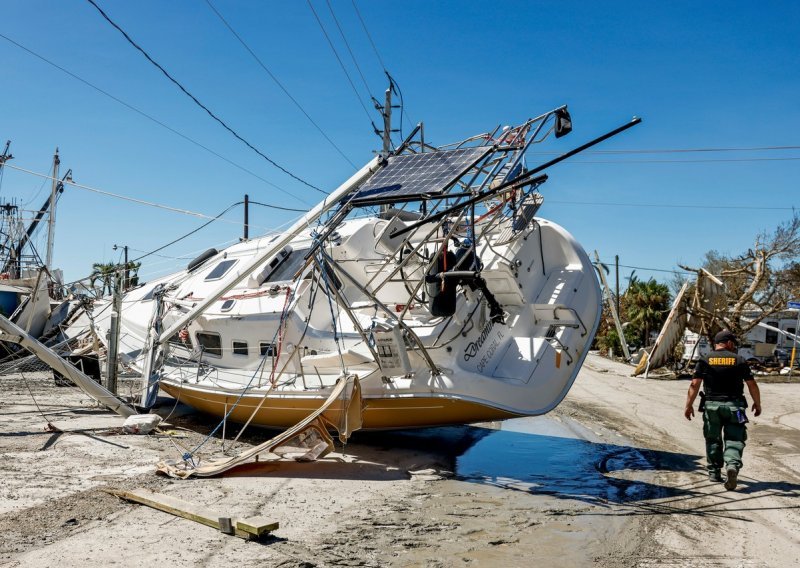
<point x="723" y="397"/>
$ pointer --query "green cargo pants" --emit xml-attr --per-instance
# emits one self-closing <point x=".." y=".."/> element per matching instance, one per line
<point x="725" y="437"/>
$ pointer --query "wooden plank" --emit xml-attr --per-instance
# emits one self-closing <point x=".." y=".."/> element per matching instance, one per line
<point x="256" y="526"/>
<point x="251" y="528"/>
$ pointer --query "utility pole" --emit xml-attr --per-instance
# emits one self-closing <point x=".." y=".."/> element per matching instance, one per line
<point x="113" y="336"/>
<point x="387" y="121"/>
<point x="125" y="268"/>
<point x="616" y="269"/>
<point x="52" y="222"/>
<point x="612" y="307"/>
<point x="246" y="216"/>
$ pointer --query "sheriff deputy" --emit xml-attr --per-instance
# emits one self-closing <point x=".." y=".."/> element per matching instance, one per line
<point x="723" y="373"/>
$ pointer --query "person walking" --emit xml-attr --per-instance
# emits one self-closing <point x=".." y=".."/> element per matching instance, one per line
<point x="723" y="373"/>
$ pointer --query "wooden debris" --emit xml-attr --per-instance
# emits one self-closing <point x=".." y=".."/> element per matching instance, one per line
<point x="252" y="528"/>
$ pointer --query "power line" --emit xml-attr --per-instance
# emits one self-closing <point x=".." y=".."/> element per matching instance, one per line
<point x="648" y="269"/>
<point x="350" y="51"/>
<point x="369" y="36"/>
<point x="201" y="105"/>
<point x="116" y="195"/>
<point x="149" y="117"/>
<point x="190" y="233"/>
<point x="277" y="207"/>
<point x="684" y="150"/>
<point x="277" y="82"/>
<point x="671" y="205"/>
<point x="684" y="161"/>
<point x="339" y="59"/>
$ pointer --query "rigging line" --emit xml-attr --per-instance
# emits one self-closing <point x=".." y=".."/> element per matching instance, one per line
<point x="369" y="36"/>
<point x="201" y="105"/>
<point x="349" y="50"/>
<point x="206" y="224"/>
<point x="123" y="197"/>
<point x="277" y="82"/>
<point x="277" y="207"/>
<point x="339" y="59"/>
<point x="672" y="205"/>
<point x="151" y="118"/>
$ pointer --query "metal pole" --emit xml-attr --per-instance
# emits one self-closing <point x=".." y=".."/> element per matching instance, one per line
<point x="52" y="221"/>
<point x="246" y="216"/>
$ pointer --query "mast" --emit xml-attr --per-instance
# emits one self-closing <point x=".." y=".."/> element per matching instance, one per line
<point x="51" y="226"/>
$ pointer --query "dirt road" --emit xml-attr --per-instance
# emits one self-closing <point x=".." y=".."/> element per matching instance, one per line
<point x="614" y="477"/>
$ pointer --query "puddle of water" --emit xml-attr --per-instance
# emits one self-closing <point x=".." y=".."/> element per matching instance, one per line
<point x="543" y="455"/>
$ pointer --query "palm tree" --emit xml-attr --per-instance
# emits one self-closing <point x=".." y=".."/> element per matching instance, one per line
<point x="647" y="303"/>
<point x="103" y="271"/>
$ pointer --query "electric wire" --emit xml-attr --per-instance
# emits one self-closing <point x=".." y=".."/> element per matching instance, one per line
<point x="201" y="105"/>
<point x="151" y="118"/>
<point x="670" y="205"/>
<point x="190" y="233"/>
<point x="349" y="50"/>
<point x="682" y="150"/>
<point x="277" y="82"/>
<point x="339" y="59"/>
<point x="122" y="197"/>
<point x="705" y="161"/>
<point x="609" y="264"/>
<point x="369" y="36"/>
<point x="277" y="207"/>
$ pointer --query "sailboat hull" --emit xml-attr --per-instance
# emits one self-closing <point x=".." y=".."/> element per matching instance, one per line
<point x="378" y="413"/>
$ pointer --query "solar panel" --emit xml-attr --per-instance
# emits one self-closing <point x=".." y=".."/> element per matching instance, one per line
<point x="420" y="176"/>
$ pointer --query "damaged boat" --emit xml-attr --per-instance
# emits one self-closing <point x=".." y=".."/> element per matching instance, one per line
<point x="428" y="276"/>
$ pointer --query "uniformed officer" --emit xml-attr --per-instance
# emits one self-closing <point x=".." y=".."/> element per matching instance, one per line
<point x="723" y="373"/>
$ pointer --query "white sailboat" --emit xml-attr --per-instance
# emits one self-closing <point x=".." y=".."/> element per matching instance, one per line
<point x="427" y="278"/>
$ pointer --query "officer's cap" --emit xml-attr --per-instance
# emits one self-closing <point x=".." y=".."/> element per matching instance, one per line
<point x="724" y="336"/>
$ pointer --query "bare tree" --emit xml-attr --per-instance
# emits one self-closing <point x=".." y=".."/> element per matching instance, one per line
<point x="758" y="283"/>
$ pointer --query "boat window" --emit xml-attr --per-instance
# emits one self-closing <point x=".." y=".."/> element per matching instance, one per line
<point x="211" y="343"/>
<point x="289" y="264"/>
<point x="267" y="349"/>
<point x="240" y="348"/>
<point x="227" y="305"/>
<point x="220" y="270"/>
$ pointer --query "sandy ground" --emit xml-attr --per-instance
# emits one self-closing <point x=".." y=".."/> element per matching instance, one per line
<point x="614" y="477"/>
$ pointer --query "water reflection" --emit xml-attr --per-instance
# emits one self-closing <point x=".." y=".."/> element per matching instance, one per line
<point x="542" y="455"/>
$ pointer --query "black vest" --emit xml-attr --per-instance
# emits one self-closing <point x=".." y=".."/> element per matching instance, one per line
<point x="723" y="374"/>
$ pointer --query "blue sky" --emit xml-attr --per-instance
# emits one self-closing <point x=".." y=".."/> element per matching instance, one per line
<point x="700" y="74"/>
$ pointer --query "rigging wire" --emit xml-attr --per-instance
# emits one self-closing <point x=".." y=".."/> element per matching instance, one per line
<point x="149" y="117"/>
<point x="201" y="105"/>
<point x="339" y="59"/>
<point x="277" y="82"/>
